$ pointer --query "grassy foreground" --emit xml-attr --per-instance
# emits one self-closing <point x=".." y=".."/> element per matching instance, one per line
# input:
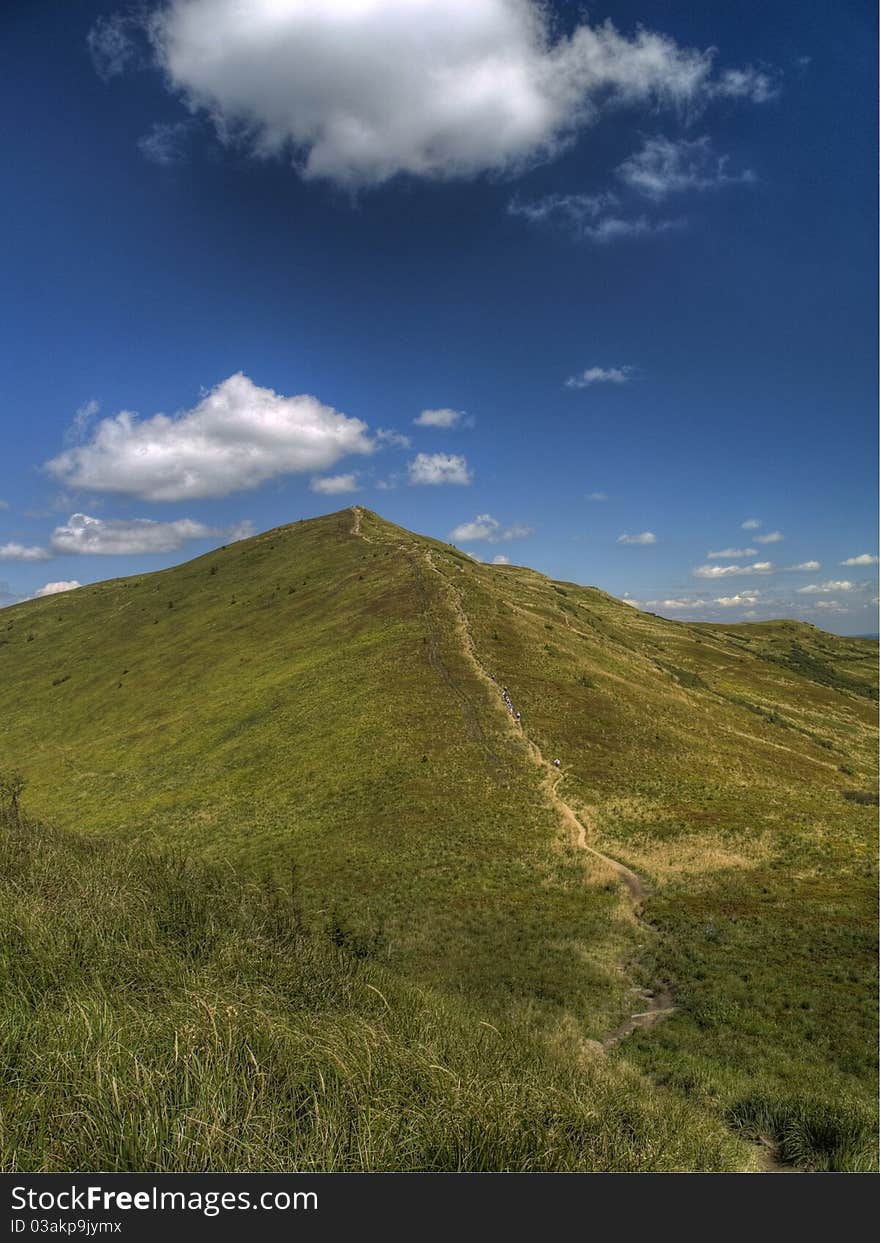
<point x="160" y="1014"/>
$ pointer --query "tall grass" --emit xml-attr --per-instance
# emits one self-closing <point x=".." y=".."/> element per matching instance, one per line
<point x="159" y="1014"/>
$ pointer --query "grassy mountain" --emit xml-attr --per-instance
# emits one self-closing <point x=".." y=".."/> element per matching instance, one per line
<point x="328" y="696"/>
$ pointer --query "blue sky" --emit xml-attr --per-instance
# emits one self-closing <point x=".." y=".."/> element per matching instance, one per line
<point x="630" y="278"/>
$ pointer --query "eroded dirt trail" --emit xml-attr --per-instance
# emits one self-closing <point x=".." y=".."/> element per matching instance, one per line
<point x="356" y="512"/>
<point x="655" y="1005"/>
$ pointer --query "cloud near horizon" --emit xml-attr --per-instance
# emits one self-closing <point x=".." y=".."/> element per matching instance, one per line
<point x="358" y="91"/>
<point x="237" y="437"/>
<point x="120" y="537"/>
<point x="54" y="589"/>
<point x="832" y="585"/>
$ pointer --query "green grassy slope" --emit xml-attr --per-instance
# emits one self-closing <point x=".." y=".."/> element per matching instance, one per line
<point x="306" y="696"/>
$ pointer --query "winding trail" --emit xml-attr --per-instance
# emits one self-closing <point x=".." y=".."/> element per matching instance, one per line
<point x="658" y="1005"/>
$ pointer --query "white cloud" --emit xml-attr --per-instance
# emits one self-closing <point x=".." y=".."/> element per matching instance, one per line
<point x="589" y="217"/>
<point x="646" y="537"/>
<point x="438" y="468"/>
<point x="485" y="527"/>
<point x="805" y="567"/>
<point x="118" y="537"/>
<point x="630" y="600"/>
<point x="733" y="552"/>
<point x="751" y="524"/>
<point x="21" y="552"/>
<point x="4" y="504"/>
<point x="831" y="585"/>
<point x="357" y="91"/>
<point x="332" y="485"/>
<point x="54" y="589"/>
<point x="864" y="558"/>
<point x="501" y="559"/>
<point x="730" y="571"/>
<point x="665" y="167"/>
<point x="772" y="537"/>
<point x="600" y="375"/>
<point x="738" y="601"/>
<point x="237" y="437"/>
<point x="834" y="605"/>
<point x="438" y="418"/>
<point x="597" y="496"/>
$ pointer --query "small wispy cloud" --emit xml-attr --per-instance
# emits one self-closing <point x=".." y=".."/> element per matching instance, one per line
<point x="81" y="421"/>
<point x="755" y="85"/>
<point x="590" y="217"/>
<point x="665" y="166"/>
<point x="597" y="496"/>
<point x="166" y="144"/>
<point x="333" y="485"/>
<point x="751" y="524"/>
<point x="485" y="527"/>
<point x="113" y="46"/>
<point x="731" y="571"/>
<point x="394" y="440"/>
<point x="501" y="559"/>
<point x="674" y="605"/>
<point x="805" y="567"/>
<point x="645" y="537"/>
<point x="600" y="375"/>
<point x="733" y="552"/>
<point x="772" y="537"/>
